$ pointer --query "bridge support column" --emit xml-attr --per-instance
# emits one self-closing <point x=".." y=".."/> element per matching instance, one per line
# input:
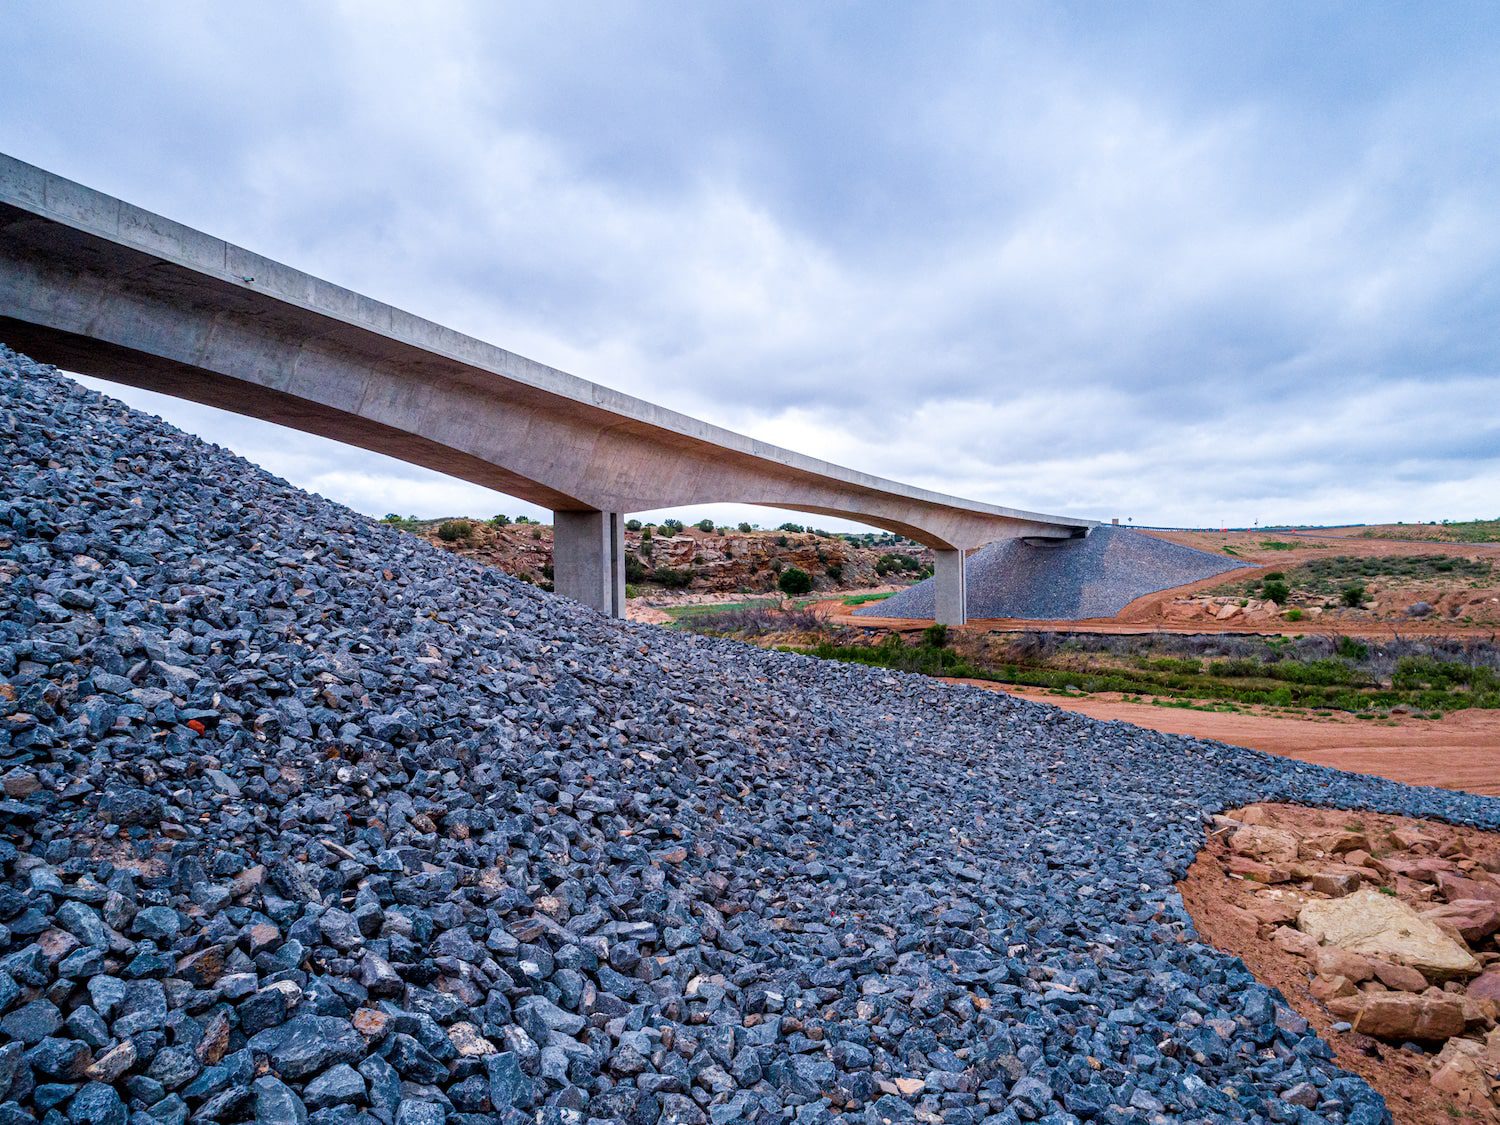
<point x="588" y="559"/>
<point x="951" y="593"/>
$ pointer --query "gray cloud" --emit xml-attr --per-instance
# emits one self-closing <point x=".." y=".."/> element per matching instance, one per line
<point x="1193" y="268"/>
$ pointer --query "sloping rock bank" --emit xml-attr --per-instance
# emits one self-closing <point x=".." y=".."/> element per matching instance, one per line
<point x="1097" y="575"/>
<point x="1382" y="931"/>
<point x="304" y="819"/>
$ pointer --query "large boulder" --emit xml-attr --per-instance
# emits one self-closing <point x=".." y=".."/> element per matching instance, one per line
<point x="1268" y="845"/>
<point x="1380" y="925"/>
<point x="1399" y="1016"/>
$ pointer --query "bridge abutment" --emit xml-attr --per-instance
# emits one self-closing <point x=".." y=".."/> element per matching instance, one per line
<point x="951" y="591"/>
<point x="588" y="559"/>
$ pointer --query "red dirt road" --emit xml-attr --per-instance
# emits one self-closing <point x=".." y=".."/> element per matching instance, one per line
<point x="1459" y="751"/>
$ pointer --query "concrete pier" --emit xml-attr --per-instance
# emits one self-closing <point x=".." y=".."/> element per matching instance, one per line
<point x="92" y="284"/>
<point x="588" y="559"/>
<point x="952" y="588"/>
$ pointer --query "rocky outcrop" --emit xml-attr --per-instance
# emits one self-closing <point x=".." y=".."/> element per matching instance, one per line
<point x="1381" y="925"/>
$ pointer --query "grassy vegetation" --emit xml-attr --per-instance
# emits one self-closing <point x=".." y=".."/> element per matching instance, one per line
<point x="1335" y="683"/>
<point x="1316" y="673"/>
<point x="862" y="599"/>
<point x="1345" y="577"/>
<point x="1463" y="531"/>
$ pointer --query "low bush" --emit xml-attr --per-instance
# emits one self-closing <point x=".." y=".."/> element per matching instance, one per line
<point x="451" y="531"/>
<point x="794" y="581"/>
<point x="672" y="579"/>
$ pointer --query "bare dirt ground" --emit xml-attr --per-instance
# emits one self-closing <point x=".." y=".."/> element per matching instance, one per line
<point x="1459" y="751"/>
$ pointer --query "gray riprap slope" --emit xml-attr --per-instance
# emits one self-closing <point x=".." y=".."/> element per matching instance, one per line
<point x="303" y="816"/>
<point x="1065" y="580"/>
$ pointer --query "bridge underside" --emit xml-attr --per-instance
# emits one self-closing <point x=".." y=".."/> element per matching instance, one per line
<point x="92" y="285"/>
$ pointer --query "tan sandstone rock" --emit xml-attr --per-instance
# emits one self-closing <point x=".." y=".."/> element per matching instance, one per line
<point x="1474" y="918"/>
<point x="1401" y="1015"/>
<point x="1380" y="925"/>
<point x="1268" y="845"/>
<point x="1335" y="884"/>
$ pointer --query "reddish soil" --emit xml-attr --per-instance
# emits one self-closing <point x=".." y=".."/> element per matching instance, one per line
<point x="1459" y="751"/>
<point x="1224" y="910"/>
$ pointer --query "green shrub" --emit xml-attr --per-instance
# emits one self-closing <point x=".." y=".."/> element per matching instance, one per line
<point x="781" y="541"/>
<point x="672" y="579"/>
<point x="451" y="531"/>
<point x="635" y="570"/>
<point x="705" y="525"/>
<point x="794" y="581"/>
<point x="745" y="527"/>
<point x="499" y="520"/>
<point x="671" y="527"/>
<point x="835" y="573"/>
<point x="523" y="519"/>
<point x="794" y="528"/>
<point x="896" y="563"/>
<point x="632" y="525"/>
<point x="390" y="517"/>
<point x="1274" y="591"/>
<point x="1350" y="649"/>
<point x="1293" y="615"/>
<point x="1353" y="595"/>
<point x="935" y="636"/>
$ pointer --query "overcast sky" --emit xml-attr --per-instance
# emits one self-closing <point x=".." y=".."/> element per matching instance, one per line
<point x="1187" y="264"/>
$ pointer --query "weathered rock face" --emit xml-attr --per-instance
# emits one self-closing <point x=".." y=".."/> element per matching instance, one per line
<point x="1381" y="925"/>
<point x="717" y="562"/>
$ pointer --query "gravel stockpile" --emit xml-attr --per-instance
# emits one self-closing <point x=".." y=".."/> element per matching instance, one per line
<point x="1066" y="579"/>
<point x="304" y="819"/>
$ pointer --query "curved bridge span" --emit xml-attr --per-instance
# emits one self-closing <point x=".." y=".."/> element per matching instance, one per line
<point x="92" y="284"/>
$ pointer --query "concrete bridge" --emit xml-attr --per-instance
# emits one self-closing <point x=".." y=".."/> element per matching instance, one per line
<point x="92" y="284"/>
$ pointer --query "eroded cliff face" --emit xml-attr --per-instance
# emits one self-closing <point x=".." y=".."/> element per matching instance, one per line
<point x="718" y="563"/>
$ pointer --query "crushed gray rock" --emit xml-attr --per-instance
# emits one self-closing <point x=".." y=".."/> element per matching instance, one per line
<point x="1096" y="575"/>
<point x="485" y="855"/>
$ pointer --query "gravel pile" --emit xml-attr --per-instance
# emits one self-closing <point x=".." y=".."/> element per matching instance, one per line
<point x="304" y="819"/>
<point x="1065" y="579"/>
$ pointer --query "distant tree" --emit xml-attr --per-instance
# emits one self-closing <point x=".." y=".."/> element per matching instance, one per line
<point x="523" y="519"/>
<point x="744" y="528"/>
<point x="795" y="528"/>
<point x="632" y="525"/>
<point x="794" y="581"/>
<point x="705" y="525"/>
<point x="500" y="520"/>
<point x="1353" y="595"/>
<point x="671" y="527"/>
<point x="782" y="541"/>
<point x="451" y="531"/>
<point x="390" y="517"/>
